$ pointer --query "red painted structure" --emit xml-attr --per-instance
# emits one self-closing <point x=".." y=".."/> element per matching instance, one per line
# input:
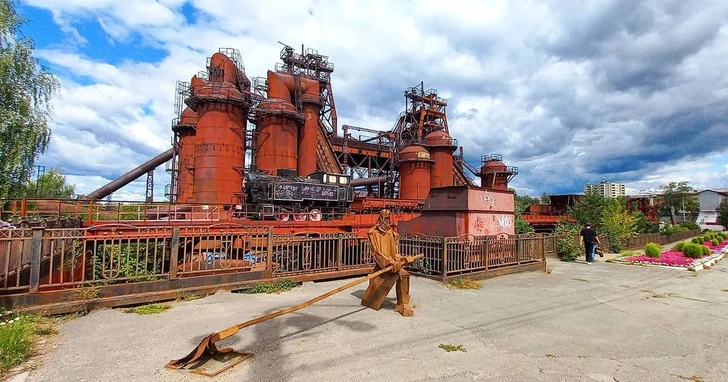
<point x="186" y="129"/>
<point x="222" y="111"/>
<point x="415" y="167"/>
<point x="441" y="146"/>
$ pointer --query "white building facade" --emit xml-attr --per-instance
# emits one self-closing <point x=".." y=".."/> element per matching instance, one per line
<point x="709" y="201"/>
<point x="607" y="189"/>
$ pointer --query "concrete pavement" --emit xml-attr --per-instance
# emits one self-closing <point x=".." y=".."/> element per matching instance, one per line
<point x="604" y="322"/>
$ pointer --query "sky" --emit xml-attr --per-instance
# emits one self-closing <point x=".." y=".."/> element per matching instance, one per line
<point x="567" y="91"/>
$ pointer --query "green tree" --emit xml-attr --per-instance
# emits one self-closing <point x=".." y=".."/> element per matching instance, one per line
<point x="522" y="202"/>
<point x="25" y="93"/>
<point x="589" y="209"/>
<point x="50" y="185"/>
<point x="678" y="196"/>
<point x="617" y="224"/>
<point x="545" y="199"/>
<point x="723" y="212"/>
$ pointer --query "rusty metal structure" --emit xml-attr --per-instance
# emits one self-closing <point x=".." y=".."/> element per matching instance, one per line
<point x="265" y="184"/>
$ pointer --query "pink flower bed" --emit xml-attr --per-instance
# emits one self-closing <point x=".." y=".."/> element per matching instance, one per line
<point x="675" y="258"/>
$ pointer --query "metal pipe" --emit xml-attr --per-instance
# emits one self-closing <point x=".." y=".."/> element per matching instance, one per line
<point x="130" y="176"/>
<point x="368" y="181"/>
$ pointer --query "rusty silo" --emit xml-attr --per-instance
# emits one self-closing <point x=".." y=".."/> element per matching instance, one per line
<point x="441" y="147"/>
<point x="186" y="154"/>
<point x="277" y="121"/>
<point x="222" y="110"/>
<point x="494" y="174"/>
<point x="415" y="166"/>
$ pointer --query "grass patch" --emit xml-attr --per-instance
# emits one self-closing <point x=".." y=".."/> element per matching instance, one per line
<point x="579" y="279"/>
<point x="449" y="348"/>
<point x="626" y="253"/>
<point x="18" y="333"/>
<point x="725" y="290"/>
<point x="463" y="283"/>
<point x="274" y="287"/>
<point x="149" y="309"/>
<point x="693" y="378"/>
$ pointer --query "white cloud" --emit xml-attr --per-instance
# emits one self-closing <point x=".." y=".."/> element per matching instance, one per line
<point x="564" y="90"/>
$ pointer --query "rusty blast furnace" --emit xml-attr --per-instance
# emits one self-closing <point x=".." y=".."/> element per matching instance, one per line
<point x="299" y="167"/>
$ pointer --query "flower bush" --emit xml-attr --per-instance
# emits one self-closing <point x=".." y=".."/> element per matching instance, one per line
<point x="683" y="254"/>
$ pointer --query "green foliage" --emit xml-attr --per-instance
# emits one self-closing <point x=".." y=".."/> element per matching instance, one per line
<point x="719" y="239"/>
<point x="679" y="246"/>
<point x="50" y="185"/>
<point x="722" y="211"/>
<point x="589" y="209"/>
<point x="25" y="93"/>
<point x="706" y="250"/>
<point x="692" y="250"/>
<point x="617" y="224"/>
<point x="274" y="287"/>
<point x="714" y="242"/>
<point x="642" y="225"/>
<point x="522" y="202"/>
<point x="678" y="196"/>
<point x="17" y="332"/>
<point x="695" y="240"/>
<point x="652" y="250"/>
<point x="670" y="229"/>
<point x="149" y="309"/>
<point x="449" y="348"/>
<point x="567" y="246"/>
<point x="689" y="225"/>
<point x="140" y="261"/>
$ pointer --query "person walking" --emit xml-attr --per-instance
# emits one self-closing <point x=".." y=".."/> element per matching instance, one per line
<point x="589" y="239"/>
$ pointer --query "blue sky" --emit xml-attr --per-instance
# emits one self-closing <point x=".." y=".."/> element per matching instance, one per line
<point x="566" y="91"/>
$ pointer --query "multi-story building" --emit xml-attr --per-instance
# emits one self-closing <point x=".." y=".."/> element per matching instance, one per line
<point x="608" y="189"/>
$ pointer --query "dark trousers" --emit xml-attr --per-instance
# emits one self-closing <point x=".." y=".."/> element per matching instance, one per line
<point x="589" y="251"/>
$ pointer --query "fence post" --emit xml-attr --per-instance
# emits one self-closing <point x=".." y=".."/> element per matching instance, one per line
<point x="269" y="253"/>
<point x="36" y="245"/>
<point x="340" y="251"/>
<point x="444" y="259"/>
<point x="174" y="254"/>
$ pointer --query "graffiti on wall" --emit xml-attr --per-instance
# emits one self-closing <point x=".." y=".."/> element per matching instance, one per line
<point x="504" y="221"/>
<point x="488" y="200"/>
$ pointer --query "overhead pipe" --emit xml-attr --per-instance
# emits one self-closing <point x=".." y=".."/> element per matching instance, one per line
<point x="130" y="176"/>
<point x="368" y="181"/>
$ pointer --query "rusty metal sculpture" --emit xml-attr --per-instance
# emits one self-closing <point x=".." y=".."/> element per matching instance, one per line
<point x="383" y="242"/>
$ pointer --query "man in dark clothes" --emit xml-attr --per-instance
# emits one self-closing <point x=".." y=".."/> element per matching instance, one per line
<point x="588" y="237"/>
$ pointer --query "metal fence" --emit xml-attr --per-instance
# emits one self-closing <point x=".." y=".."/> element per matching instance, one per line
<point x="129" y="260"/>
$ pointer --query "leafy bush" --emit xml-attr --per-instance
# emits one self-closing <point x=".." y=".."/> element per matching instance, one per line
<point x="706" y="250"/>
<point x="669" y="229"/>
<point x="695" y="240"/>
<point x="567" y="246"/>
<point x="652" y="250"/>
<point x="693" y="251"/>
<point x="705" y="230"/>
<point x="714" y="242"/>
<point x="689" y="225"/>
<point x="720" y="239"/>
<point x="679" y="246"/>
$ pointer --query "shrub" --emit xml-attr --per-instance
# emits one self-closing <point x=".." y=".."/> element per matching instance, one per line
<point x="693" y="251"/>
<point x="652" y="250"/>
<point x="679" y="246"/>
<point x="689" y="225"/>
<point x="567" y="246"/>
<point x="714" y="242"/>
<point x="697" y="240"/>
<point x="705" y="230"/>
<point x="706" y="250"/>
<point x="720" y="239"/>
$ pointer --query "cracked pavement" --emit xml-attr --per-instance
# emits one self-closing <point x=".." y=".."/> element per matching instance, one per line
<point x="605" y="322"/>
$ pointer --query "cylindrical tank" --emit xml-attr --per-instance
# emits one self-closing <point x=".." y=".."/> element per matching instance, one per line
<point x="415" y="166"/>
<point x="441" y="147"/>
<point x="494" y="173"/>
<point x="186" y="155"/>
<point x="221" y="119"/>
<point x="308" y="137"/>
<point x="277" y="136"/>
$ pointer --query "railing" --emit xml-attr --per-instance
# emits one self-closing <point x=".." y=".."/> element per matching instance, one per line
<point x="128" y="261"/>
<point x="635" y="242"/>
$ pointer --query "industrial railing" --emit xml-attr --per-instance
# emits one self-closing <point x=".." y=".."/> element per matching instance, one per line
<point x="53" y="268"/>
